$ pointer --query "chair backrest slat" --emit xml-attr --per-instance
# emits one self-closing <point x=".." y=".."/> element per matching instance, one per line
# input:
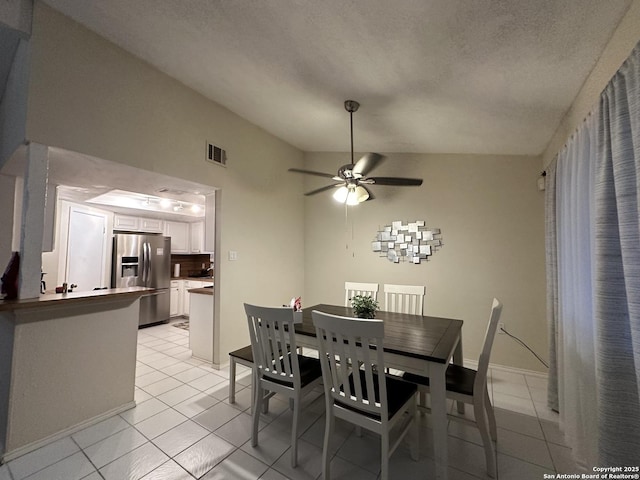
<point x="483" y="361"/>
<point x="354" y="346"/>
<point x="358" y="288"/>
<point x="273" y="342"/>
<point x="404" y="298"/>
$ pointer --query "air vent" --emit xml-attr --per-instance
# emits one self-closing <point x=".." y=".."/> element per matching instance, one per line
<point x="216" y="154"/>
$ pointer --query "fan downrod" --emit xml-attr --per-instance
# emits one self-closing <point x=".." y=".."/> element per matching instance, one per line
<point x="351" y="106"/>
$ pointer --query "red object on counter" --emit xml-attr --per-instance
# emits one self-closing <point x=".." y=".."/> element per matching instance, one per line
<point x="10" y="277"/>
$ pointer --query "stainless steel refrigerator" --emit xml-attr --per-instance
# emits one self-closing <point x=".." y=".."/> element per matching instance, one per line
<point x="144" y="260"/>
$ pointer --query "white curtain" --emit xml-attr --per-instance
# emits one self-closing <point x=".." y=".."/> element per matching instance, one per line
<point x="575" y="355"/>
<point x="593" y="275"/>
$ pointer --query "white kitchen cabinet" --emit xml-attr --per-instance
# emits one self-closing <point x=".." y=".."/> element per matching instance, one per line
<point x="197" y="237"/>
<point x="175" y="308"/>
<point x="187" y="284"/>
<point x="151" y="225"/>
<point x="137" y="224"/>
<point x="186" y="296"/>
<point x="179" y="233"/>
<point x="126" y="222"/>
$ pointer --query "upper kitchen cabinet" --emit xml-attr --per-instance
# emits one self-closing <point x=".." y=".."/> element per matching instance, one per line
<point x="137" y="224"/>
<point x="151" y="225"/>
<point x="197" y="237"/>
<point x="125" y="222"/>
<point x="179" y="233"/>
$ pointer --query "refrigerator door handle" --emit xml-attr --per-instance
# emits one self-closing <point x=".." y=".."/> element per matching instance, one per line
<point x="146" y="263"/>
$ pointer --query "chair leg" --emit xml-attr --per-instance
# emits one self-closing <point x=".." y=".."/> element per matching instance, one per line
<point x="483" y="425"/>
<point x="414" y="434"/>
<point x="493" y="429"/>
<point x="254" y="382"/>
<point x="294" y="430"/>
<point x="384" y="453"/>
<point x="232" y="380"/>
<point x="328" y="432"/>
<point x="258" y="392"/>
<point x="265" y="400"/>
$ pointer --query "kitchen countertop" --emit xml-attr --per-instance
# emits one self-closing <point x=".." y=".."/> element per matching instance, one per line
<point x="203" y="291"/>
<point x="65" y="299"/>
<point x="201" y="279"/>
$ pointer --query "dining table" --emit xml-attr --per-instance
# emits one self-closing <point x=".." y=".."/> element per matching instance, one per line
<point x="418" y="344"/>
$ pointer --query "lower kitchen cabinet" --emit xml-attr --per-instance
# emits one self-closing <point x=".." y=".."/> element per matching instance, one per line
<point x="180" y="296"/>
<point x="175" y="308"/>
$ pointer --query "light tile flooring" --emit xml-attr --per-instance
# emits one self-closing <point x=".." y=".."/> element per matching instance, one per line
<point x="183" y="427"/>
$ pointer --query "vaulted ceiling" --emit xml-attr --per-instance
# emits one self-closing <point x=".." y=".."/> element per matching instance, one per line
<point x="432" y="76"/>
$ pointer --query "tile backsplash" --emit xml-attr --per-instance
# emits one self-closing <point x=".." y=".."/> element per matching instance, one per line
<point x="192" y="265"/>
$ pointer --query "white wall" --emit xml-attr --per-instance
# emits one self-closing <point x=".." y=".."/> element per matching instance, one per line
<point x="13" y="103"/>
<point x="7" y="196"/>
<point x="89" y="96"/>
<point x="492" y="220"/>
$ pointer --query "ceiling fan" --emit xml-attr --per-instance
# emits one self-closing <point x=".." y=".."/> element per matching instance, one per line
<point x="353" y="177"/>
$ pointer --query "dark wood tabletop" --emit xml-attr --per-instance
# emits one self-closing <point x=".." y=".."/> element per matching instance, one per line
<point x="427" y="338"/>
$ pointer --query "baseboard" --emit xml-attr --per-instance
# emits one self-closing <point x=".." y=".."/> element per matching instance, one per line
<point x="504" y="368"/>
<point x="18" y="452"/>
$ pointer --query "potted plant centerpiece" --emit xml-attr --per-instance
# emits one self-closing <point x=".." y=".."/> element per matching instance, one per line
<point x="364" y="306"/>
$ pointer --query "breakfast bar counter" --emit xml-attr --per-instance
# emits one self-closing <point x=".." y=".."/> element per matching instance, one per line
<point x="70" y="362"/>
<point x="49" y="300"/>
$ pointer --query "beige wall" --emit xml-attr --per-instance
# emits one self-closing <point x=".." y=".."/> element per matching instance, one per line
<point x="151" y="121"/>
<point x="492" y="220"/>
<point x="65" y="370"/>
<point x="617" y="50"/>
<point x="89" y="96"/>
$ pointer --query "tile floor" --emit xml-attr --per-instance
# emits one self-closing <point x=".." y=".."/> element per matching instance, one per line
<point x="183" y="427"/>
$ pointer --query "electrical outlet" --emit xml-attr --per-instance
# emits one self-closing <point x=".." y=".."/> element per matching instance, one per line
<point x="500" y="327"/>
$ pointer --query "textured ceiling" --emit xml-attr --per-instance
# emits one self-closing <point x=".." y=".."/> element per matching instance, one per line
<point x="445" y="76"/>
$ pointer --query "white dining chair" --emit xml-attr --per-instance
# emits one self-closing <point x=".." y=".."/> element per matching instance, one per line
<point x="243" y="356"/>
<point x="361" y="396"/>
<point x="278" y="368"/>
<point x="404" y="298"/>
<point x="470" y="386"/>
<point x="355" y="288"/>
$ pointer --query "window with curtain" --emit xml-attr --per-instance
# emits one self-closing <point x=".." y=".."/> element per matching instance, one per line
<point x="593" y="277"/>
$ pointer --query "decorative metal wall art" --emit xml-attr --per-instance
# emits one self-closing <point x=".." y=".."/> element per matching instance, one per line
<point x="412" y="242"/>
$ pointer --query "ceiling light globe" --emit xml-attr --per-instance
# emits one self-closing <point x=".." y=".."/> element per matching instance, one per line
<point x="361" y="194"/>
<point x="340" y="195"/>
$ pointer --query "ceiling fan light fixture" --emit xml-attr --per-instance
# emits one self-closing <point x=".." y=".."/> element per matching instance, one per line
<point x="341" y="194"/>
<point x="351" y="175"/>
<point x="351" y="195"/>
<point x="361" y="194"/>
